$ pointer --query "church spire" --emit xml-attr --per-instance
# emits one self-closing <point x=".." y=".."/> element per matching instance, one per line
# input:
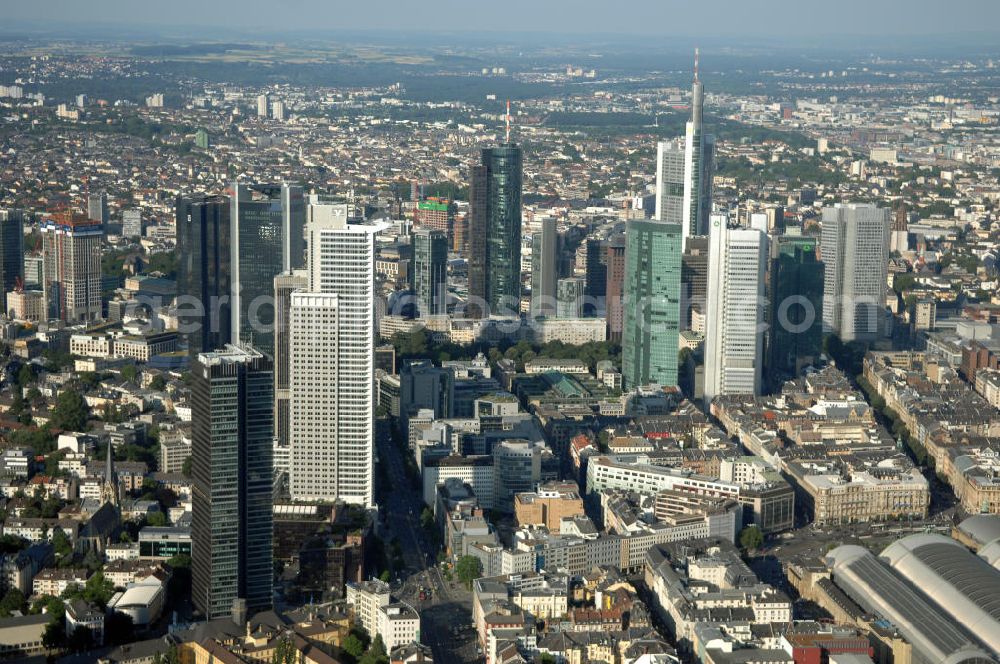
<point x="109" y="493"/>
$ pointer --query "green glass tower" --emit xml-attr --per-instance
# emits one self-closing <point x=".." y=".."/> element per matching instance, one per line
<point x="652" y="303"/>
<point x="503" y="227"/>
<point x="795" y="313"/>
<point x="430" y="271"/>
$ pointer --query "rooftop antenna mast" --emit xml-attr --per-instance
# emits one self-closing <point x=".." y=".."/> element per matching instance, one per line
<point x="696" y="63"/>
<point x="507" y="135"/>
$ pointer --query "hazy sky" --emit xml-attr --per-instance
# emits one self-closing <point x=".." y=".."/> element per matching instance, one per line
<point x="699" y="18"/>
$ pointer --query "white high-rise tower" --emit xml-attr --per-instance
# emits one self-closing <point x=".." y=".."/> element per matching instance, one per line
<point x="332" y="340"/>
<point x="734" y="338"/>
<point x="855" y="252"/>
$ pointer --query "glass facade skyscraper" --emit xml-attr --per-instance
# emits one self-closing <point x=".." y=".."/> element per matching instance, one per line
<point x="430" y="271"/>
<point x="204" y="272"/>
<point x="503" y="227"/>
<point x="11" y="251"/>
<point x="232" y="432"/>
<point x="267" y="226"/>
<point x="652" y="303"/>
<point x="795" y="319"/>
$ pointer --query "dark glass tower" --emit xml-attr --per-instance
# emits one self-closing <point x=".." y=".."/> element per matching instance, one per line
<point x="203" y="277"/>
<point x="267" y="232"/>
<point x="430" y="271"/>
<point x="503" y="228"/>
<point x="232" y="430"/>
<point x="477" y="241"/>
<point x="11" y="251"/>
<point x="795" y="293"/>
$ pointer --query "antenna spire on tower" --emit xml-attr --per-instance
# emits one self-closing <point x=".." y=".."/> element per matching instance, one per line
<point x="507" y="139"/>
<point x="696" y="63"/>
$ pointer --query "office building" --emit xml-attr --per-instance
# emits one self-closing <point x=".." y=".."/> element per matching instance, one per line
<point x="285" y="284"/>
<point x="204" y="271"/>
<point x="544" y="254"/>
<point x="651" y="327"/>
<point x="263" y="104"/>
<point x="503" y="228"/>
<point x="614" y="305"/>
<point x="71" y="279"/>
<point x="694" y="279"/>
<point x="97" y="208"/>
<point x="734" y="339"/>
<point x="266" y="224"/>
<point x="570" y="297"/>
<point x="278" y="110"/>
<point x="795" y="306"/>
<point x="131" y="223"/>
<point x="11" y="253"/>
<point x="232" y="431"/>
<point x="436" y="214"/>
<point x="855" y="253"/>
<point x="430" y="271"/>
<point x="477" y="222"/>
<point x="596" y="275"/>
<point x="332" y="343"/>
<point x="684" y="171"/>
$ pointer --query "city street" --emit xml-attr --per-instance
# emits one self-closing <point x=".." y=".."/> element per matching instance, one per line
<point x="449" y="605"/>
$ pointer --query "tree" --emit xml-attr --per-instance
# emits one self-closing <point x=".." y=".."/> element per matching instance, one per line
<point x="12" y="601"/>
<point x="186" y="467"/>
<point x="384" y="576"/>
<point x="61" y="544"/>
<point x="79" y="640"/>
<point x="376" y="654"/>
<point x="284" y="652"/>
<point x="751" y="538"/>
<point x="129" y="373"/>
<point x="25" y="375"/>
<point x="159" y="383"/>
<point x="546" y="658"/>
<point x="70" y="412"/>
<point x="171" y="656"/>
<point x="353" y="646"/>
<point x="119" y="628"/>
<point x="157" y="519"/>
<point x="427" y="518"/>
<point x="468" y="568"/>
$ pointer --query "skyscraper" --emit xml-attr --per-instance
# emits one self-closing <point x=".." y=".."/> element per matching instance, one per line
<point x="332" y="334"/>
<point x="430" y="271"/>
<point x="284" y="285"/>
<point x="615" y="289"/>
<point x="232" y="431"/>
<point x="596" y="274"/>
<point x="543" y="269"/>
<point x="734" y="338"/>
<point x="694" y="279"/>
<point x="97" y="208"/>
<point x="71" y="279"/>
<point x="11" y="252"/>
<point x="263" y="105"/>
<point x="569" y="297"/>
<point x="132" y="223"/>
<point x="503" y="228"/>
<point x="855" y="253"/>
<point x="699" y="158"/>
<point x="795" y="306"/>
<point x="204" y="271"/>
<point x="670" y="182"/>
<point x="265" y="222"/>
<point x="652" y="303"/>
<point x="684" y="171"/>
<point x="477" y="223"/>
<point x="437" y="214"/>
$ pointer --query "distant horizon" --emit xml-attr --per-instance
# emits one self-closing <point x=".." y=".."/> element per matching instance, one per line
<point x="913" y="22"/>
